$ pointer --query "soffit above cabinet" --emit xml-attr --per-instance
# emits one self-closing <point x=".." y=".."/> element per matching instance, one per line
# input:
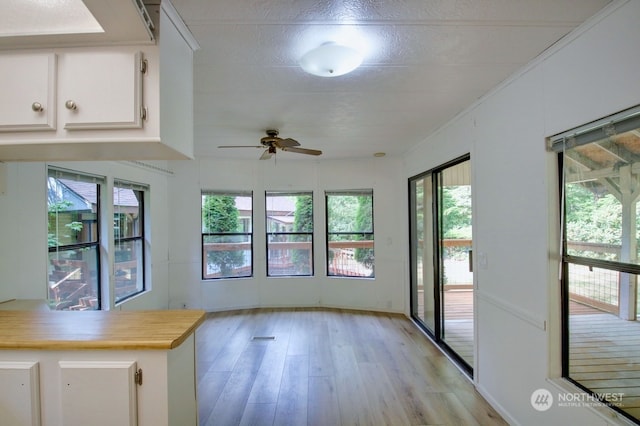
<point x="118" y="22"/>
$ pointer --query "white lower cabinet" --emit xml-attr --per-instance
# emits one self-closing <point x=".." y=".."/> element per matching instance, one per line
<point x="99" y="387"/>
<point x="19" y="393"/>
<point x="98" y="393"/>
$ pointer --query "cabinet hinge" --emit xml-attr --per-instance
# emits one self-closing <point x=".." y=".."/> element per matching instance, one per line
<point x="143" y="113"/>
<point x="144" y="65"/>
<point x="137" y="377"/>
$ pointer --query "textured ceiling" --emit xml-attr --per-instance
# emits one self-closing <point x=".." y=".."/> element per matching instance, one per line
<point x="425" y="61"/>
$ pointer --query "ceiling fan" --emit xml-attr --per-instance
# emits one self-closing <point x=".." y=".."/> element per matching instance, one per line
<point x="273" y="142"/>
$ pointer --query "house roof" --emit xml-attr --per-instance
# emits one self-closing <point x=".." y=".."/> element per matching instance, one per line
<point x="83" y="195"/>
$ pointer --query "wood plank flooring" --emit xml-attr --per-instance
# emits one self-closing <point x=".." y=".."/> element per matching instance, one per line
<point x="328" y="367"/>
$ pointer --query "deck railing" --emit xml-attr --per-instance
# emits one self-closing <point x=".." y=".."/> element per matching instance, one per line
<point x="591" y="286"/>
<point x="281" y="257"/>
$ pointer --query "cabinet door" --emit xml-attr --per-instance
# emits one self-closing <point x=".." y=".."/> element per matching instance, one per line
<point x="28" y="87"/>
<point x="19" y="393"/>
<point x="100" y="90"/>
<point x="98" y="393"/>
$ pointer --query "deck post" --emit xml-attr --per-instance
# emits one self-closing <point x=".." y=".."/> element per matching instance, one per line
<point x="628" y="253"/>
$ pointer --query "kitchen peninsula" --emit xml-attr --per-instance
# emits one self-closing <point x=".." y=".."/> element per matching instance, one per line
<point x="98" y="367"/>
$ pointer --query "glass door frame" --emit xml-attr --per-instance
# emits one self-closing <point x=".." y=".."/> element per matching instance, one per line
<point x="437" y="333"/>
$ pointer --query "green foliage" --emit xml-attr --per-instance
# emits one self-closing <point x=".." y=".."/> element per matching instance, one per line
<point x="220" y="215"/>
<point x="53" y="237"/>
<point x="303" y="217"/>
<point x="419" y="206"/>
<point x="341" y="213"/>
<point x="592" y="217"/>
<point x="303" y="222"/>
<point x="364" y="223"/>
<point x="456" y="212"/>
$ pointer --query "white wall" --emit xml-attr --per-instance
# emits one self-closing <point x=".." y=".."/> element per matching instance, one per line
<point x="23" y="228"/>
<point x="387" y="292"/>
<point x="590" y="74"/>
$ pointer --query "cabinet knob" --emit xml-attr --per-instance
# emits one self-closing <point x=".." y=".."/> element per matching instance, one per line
<point x="71" y="105"/>
<point x="37" y="107"/>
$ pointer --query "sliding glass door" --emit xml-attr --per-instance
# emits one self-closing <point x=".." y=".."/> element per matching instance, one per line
<point x="455" y="272"/>
<point x="441" y="257"/>
<point x="422" y="272"/>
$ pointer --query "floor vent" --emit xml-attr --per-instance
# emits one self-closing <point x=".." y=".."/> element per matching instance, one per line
<point x="263" y="338"/>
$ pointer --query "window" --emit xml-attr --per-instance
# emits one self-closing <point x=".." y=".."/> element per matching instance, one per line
<point x="350" y="233"/>
<point x="73" y="204"/>
<point x="289" y="225"/>
<point x="600" y="174"/>
<point x="128" y="237"/>
<point x="227" y="234"/>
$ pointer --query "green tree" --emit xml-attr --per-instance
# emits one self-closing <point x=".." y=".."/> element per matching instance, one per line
<point x="341" y="212"/>
<point x="303" y="222"/>
<point x="364" y="223"/>
<point x="220" y="216"/>
<point x="53" y="236"/>
<point x="456" y="212"/>
<point x="592" y="216"/>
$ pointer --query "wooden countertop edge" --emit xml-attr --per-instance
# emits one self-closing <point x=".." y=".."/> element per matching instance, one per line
<point x="177" y="342"/>
<point x="102" y="344"/>
<point x="79" y="345"/>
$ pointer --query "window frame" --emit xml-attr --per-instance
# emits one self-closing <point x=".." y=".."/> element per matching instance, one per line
<point x="95" y="245"/>
<point x="141" y="238"/>
<point x="268" y="233"/>
<point x="204" y="235"/>
<point x="328" y="257"/>
<point x="595" y="131"/>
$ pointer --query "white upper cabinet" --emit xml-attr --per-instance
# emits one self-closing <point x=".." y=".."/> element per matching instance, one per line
<point x="28" y="87"/>
<point x="101" y="90"/>
<point x="103" y="102"/>
<point x="98" y="90"/>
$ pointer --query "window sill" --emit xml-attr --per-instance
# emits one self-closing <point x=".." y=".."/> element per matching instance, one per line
<point x="607" y="414"/>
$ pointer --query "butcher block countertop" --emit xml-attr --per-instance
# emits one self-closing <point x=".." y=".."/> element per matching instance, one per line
<point x="97" y="330"/>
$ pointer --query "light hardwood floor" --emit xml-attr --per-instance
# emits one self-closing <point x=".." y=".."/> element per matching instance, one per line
<point x="328" y="367"/>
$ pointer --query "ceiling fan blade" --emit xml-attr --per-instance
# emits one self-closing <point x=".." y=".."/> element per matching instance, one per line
<point x="240" y="146"/>
<point x="266" y="155"/>
<point x="302" y="150"/>
<point x="288" y="142"/>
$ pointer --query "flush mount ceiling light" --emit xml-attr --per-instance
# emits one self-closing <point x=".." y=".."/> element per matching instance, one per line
<point x="331" y="60"/>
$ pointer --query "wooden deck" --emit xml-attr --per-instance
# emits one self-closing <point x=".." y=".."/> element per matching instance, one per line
<point x="458" y="322"/>
<point x="605" y="355"/>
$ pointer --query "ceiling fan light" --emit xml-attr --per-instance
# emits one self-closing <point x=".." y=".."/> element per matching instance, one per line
<point x="331" y="60"/>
